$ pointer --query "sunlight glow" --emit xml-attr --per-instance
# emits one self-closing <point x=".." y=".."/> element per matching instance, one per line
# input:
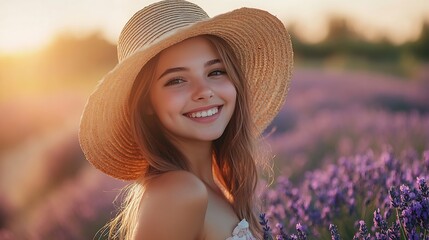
<point x="28" y="25"/>
<point x="21" y="41"/>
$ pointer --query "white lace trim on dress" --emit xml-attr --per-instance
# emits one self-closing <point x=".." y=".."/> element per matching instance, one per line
<point x="242" y="232"/>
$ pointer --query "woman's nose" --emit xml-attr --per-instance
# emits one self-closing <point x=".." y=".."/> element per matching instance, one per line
<point x="202" y="90"/>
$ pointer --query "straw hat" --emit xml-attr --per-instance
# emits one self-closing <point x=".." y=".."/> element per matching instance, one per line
<point x="259" y="40"/>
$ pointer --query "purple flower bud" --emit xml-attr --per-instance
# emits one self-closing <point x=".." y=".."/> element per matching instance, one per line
<point x="406" y="194"/>
<point x="394" y="232"/>
<point x="334" y="232"/>
<point x="395" y="197"/>
<point x="423" y="187"/>
<point x="293" y="237"/>
<point x="381" y="236"/>
<point x="379" y="221"/>
<point x="416" y="209"/>
<point x="301" y="232"/>
<point x="265" y="227"/>
<point x="363" y="231"/>
<point x="425" y="213"/>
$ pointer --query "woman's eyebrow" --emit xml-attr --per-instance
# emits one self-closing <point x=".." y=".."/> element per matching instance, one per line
<point x="172" y="70"/>
<point x="179" y="69"/>
<point x="212" y="62"/>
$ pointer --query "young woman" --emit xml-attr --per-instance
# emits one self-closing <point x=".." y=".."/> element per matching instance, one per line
<point x="181" y="115"/>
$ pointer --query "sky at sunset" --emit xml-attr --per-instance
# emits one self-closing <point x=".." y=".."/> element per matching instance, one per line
<point x="27" y="25"/>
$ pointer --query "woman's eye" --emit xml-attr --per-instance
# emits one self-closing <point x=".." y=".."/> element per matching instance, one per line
<point x="217" y="73"/>
<point x="174" y="81"/>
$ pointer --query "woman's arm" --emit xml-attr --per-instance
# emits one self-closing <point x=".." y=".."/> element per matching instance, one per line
<point x="172" y="207"/>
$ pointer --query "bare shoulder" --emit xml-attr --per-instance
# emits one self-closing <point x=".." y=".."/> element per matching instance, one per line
<point x="173" y="207"/>
<point x="177" y="182"/>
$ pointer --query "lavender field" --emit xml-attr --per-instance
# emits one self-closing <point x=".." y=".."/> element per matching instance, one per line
<point x="329" y="114"/>
<point x="349" y="159"/>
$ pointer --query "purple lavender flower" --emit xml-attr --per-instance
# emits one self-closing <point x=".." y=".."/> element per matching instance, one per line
<point x="282" y="234"/>
<point x="334" y="232"/>
<point x="408" y="219"/>
<point x="347" y="191"/>
<point x="406" y="194"/>
<point x="423" y="187"/>
<point x="293" y="237"/>
<point x="301" y="232"/>
<point x="394" y="232"/>
<point x="363" y="231"/>
<point x="265" y="227"/>
<point x="425" y="214"/>
<point x="395" y="197"/>
<point x="380" y="222"/>
<point x="381" y="236"/>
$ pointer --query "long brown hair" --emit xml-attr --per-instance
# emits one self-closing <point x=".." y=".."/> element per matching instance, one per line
<point x="234" y="152"/>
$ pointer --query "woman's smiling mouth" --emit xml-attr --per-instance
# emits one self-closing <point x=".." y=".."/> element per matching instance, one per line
<point x="204" y="113"/>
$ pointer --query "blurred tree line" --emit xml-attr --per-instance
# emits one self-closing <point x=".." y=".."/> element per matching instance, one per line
<point x="342" y="40"/>
<point x="75" y="61"/>
<point x="67" y="62"/>
<point x="347" y="49"/>
<point x="68" y="55"/>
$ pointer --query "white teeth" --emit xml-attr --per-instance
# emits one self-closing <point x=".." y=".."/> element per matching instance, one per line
<point x="207" y="113"/>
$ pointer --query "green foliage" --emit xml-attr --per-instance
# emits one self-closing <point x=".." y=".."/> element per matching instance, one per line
<point x="348" y="49"/>
<point x="341" y="40"/>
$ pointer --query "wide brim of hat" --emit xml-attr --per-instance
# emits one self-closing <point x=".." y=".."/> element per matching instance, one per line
<point x="263" y="48"/>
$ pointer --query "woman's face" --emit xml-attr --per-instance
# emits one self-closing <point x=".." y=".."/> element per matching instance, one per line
<point x="192" y="94"/>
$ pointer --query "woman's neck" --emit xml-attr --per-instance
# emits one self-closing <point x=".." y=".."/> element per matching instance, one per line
<point x="199" y="155"/>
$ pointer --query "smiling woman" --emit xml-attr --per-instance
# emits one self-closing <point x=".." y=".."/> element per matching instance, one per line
<point x="192" y="70"/>
<point x="181" y="115"/>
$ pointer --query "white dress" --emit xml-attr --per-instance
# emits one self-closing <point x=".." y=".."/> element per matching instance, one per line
<point x="242" y="232"/>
